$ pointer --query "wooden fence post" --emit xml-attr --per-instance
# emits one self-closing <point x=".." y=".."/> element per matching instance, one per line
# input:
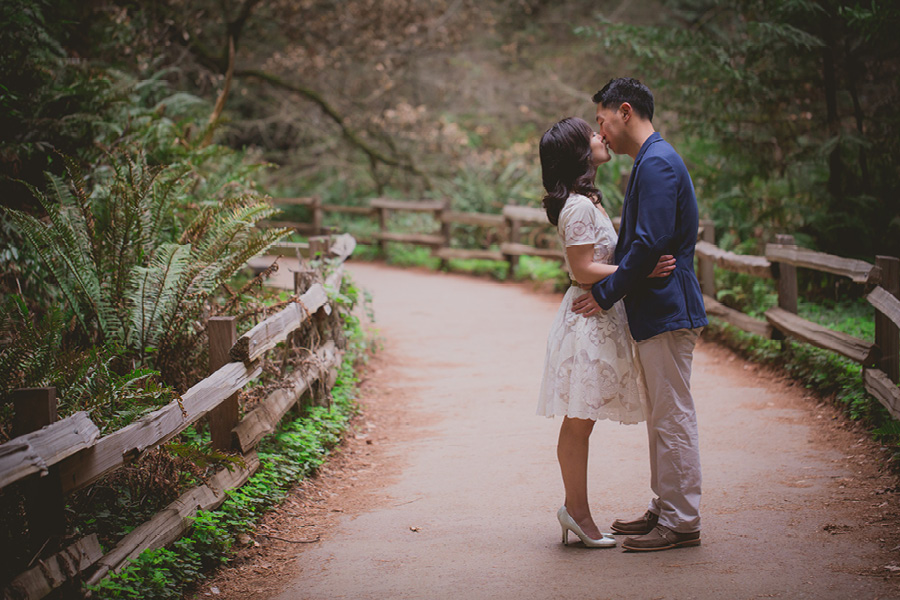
<point x="705" y="266"/>
<point x="382" y="228"/>
<point x="786" y="286"/>
<point x="319" y="246"/>
<point x="445" y="230"/>
<point x="222" y="419"/>
<point x="513" y="229"/>
<point x="44" y="502"/>
<point x="787" y="278"/>
<point x="316" y="208"/>
<point x="887" y="335"/>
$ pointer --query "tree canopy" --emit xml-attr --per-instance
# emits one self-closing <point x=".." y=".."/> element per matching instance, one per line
<point x="795" y="104"/>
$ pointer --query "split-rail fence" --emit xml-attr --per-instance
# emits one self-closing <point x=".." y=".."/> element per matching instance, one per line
<point x="51" y="458"/>
<point x="505" y="239"/>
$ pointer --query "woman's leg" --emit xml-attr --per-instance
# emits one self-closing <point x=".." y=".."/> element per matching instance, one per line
<point x="572" y="451"/>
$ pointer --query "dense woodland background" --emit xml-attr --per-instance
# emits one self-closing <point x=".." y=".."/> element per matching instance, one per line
<point x="787" y="111"/>
<point x="140" y="143"/>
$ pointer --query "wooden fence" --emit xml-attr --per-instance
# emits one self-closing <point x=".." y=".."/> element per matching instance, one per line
<point x="879" y="360"/>
<point x="506" y="229"/>
<point x="50" y="458"/>
<point x="780" y="263"/>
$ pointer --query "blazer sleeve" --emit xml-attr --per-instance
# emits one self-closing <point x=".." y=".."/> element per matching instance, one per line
<point x="656" y="203"/>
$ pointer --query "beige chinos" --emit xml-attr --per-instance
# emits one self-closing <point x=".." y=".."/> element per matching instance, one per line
<point x="672" y="429"/>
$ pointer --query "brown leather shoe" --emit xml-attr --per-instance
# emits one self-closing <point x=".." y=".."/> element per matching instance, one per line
<point x="641" y="526"/>
<point x="661" y="538"/>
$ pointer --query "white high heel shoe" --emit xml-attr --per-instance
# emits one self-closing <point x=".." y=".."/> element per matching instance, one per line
<point x="568" y="524"/>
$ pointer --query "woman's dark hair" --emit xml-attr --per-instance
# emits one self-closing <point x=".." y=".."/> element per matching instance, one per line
<point x="566" y="165"/>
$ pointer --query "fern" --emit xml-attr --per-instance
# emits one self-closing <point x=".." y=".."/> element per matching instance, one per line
<point x="29" y="348"/>
<point x="62" y="246"/>
<point x="115" y="255"/>
<point x="153" y="294"/>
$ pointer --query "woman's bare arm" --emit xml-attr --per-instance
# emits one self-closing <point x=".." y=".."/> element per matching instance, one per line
<point x="587" y="272"/>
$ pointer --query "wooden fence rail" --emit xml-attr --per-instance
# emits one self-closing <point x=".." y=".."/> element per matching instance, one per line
<point x="506" y="228"/>
<point x="71" y="453"/>
<point x="879" y="359"/>
<point x="780" y="263"/>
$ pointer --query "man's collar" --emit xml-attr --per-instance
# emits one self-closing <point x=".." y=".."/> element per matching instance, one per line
<point x="654" y="137"/>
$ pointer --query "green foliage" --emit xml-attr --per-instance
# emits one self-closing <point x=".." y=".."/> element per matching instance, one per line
<point x="295" y="451"/>
<point x="130" y="277"/>
<point x="366" y="252"/>
<point x="498" y="270"/>
<point x="99" y="380"/>
<point x="130" y="495"/>
<point x="748" y="294"/>
<point x="49" y="104"/>
<point x="535" y="268"/>
<point x="407" y="255"/>
<point x="31" y="347"/>
<point x="794" y="125"/>
<point x="488" y="186"/>
<point x="156" y="574"/>
<point x="853" y="317"/>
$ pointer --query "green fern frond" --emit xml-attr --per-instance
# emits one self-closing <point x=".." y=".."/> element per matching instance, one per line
<point x="28" y="349"/>
<point x="57" y="248"/>
<point x="127" y="231"/>
<point x="245" y="248"/>
<point x="170" y="184"/>
<point x="236" y="219"/>
<point x="78" y="191"/>
<point x="155" y="293"/>
<point x="231" y="240"/>
<point x="65" y="212"/>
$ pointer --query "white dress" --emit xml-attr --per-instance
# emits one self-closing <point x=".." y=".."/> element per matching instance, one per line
<point x="592" y="370"/>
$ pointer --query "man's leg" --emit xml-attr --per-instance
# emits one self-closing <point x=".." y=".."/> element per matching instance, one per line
<point x="651" y="439"/>
<point x="672" y="429"/>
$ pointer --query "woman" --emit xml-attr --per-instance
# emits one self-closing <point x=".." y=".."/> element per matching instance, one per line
<point x="591" y="370"/>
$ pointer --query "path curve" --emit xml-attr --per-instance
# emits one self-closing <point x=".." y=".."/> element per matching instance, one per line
<point x="458" y="499"/>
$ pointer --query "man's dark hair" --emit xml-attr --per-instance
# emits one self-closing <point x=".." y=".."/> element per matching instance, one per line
<point x="630" y="90"/>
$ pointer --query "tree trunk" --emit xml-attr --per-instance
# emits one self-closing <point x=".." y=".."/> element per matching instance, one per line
<point x="829" y="77"/>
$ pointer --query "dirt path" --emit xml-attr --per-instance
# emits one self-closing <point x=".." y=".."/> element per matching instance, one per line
<point x="449" y="486"/>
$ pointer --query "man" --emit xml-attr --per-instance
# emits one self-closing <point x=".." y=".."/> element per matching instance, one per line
<point x="659" y="216"/>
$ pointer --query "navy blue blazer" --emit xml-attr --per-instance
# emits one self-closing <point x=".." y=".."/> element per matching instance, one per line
<point x="659" y="216"/>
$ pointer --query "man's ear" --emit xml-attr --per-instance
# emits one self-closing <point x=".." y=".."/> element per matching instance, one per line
<point x="627" y="111"/>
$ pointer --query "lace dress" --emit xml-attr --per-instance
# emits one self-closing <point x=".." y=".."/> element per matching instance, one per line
<point x="591" y="370"/>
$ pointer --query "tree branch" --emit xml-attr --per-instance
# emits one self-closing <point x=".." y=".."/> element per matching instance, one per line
<point x="220" y="101"/>
<point x="373" y="153"/>
<point x="236" y="27"/>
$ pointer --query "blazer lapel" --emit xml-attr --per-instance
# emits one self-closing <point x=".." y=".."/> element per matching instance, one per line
<point x="627" y="227"/>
